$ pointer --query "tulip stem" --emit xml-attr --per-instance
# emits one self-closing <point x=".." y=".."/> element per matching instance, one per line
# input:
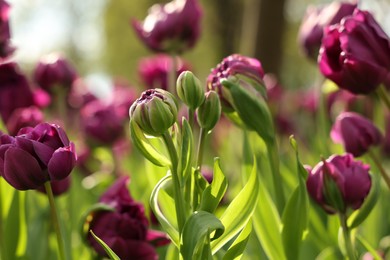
<point x="191" y="116"/>
<point x="178" y="196"/>
<point x="202" y="138"/>
<point x="273" y="158"/>
<point x="172" y="76"/>
<point x="55" y="220"/>
<point x="347" y="237"/>
<point x="382" y="93"/>
<point x="380" y="167"/>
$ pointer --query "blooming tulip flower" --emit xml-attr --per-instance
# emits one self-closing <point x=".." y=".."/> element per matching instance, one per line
<point x="35" y="156"/>
<point x="172" y="27"/>
<point x="5" y="48"/>
<point x="15" y="91"/>
<point x="125" y="228"/>
<point x="154" y="71"/>
<point x="355" y="54"/>
<point x="356" y="133"/>
<point x="52" y="70"/>
<point x="315" y="20"/>
<point x="339" y="183"/>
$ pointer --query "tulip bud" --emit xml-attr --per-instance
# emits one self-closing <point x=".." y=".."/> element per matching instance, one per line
<point x="210" y="111"/>
<point x="155" y="111"/>
<point x="356" y="133"/>
<point x="339" y="183"/>
<point x="190" y="90"/>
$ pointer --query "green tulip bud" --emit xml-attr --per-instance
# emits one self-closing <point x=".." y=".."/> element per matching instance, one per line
<point x="190" y="90"/>
<point x="154" y="112"/>
<point x="210" y="111"/>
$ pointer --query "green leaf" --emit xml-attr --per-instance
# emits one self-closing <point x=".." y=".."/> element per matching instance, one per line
<point x="143" y="145"/>
<point x="108" y="250"/>
<point x="360" y="215"/>
<point x="186" y="151"/>
<point x="168" y="226"/>
<point x="214" y="193"/>
<point x="239" y="211"/>
<point x="236" y="250"/>
<point x="295" y="214"/>
<point x="196" y="232"/>
<point x="267" y="224"/>
<point x="368" y="247"/>
<point x="252" y="109"/>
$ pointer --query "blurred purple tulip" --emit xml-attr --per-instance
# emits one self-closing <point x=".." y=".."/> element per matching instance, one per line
<point x="35" y="156"/>
<point x="53" y="70"/>
<point x="125" y="228"/>
<point x="355" y="54"/>
<point x="315" y="20"/>
<point x="356" y="133"/>
<point x="232" y="65"/>
<point x="15" y="91"/>
<point x="341" y="177"/>
<point x="5" y="47"/>
<point x="171" y="27"/>
<point x="154" y="71"/>
<point x="23" y="117"/>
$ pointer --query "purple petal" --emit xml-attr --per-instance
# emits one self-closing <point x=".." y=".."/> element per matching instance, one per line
<point x="157" y="238"/>
<point x="61" y="163"/>
<point x="43" y="151"/>
<point x="21" y="170"/>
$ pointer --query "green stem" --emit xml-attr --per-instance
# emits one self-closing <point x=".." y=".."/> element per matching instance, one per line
<point x="347" y="237"/>
<point x="202" y="140"/>
<point x="172" y="76"/>
<point x="179" y="205"/>
<point x="2" y="247"/>
<point x="273" y="157"/>
<point x="382" y="93"/>
<point x="55" y="220"/>
<point x="191" y="116"/>
<point x="380" y="167"/>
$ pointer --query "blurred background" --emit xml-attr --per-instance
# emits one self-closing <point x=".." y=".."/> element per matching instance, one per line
<point x="97" y="37"/>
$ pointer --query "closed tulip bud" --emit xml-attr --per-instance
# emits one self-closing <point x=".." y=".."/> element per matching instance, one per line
<point x="356" y="133"/>
<point x="339" y="183"/>
<point x="154" y="112"/>
<point x="35" y="156"/>
<point x="23" y="117"/>
<point x="355" y="54"/>
<point x="190" y="90"/>
<point x="210" y="111"/>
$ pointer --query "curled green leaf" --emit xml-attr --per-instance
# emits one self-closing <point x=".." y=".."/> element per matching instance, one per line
<point x="106" y="248"/>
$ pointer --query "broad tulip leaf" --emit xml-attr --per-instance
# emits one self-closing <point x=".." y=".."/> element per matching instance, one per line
<point x="143" y="145"/>
<point x="267" y="224"/>
<point x="295" y="214"/>
<point x="239" y="211"/>
<point x="214" y="193"/>
<point x="196" y="232"/>
<point x="252" y="109"/>
<point x="168" y="227"/>
<point x="108" y="250"/>
<point x="360" y="215"/>
<point x="236" y="250"/>
<point x="186" y="151"/>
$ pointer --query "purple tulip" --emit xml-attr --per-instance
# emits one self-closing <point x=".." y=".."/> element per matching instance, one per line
<point x="58" y="187"/>
<point x="315" y="20"/>
<point x="23" y="117"/>
<point x="356" y="133"/>
<point x="15" y="92"/>
<point x="35" y="156"/>
<point x="232" y="65"/>
<point x="5" y="48"/>
<point x="154" y="71"/>
<point x="339" y="183"/>
<point x="355" y="54"/>
<point x="52" y="70"/>
<point x="172" y="27"/>
<point x="125" y="228"/>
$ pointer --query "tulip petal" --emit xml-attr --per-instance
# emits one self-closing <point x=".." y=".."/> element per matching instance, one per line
<point x="61" y="163"/>
<point x="22" y="170"/>
<point x="43" y="151"/>
<point x="157" y="238"/>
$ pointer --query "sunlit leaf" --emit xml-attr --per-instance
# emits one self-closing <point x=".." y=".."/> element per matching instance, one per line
<point x="144" y="146"/>
<point x="236" y="250"/>
<point x="368" y="247"/>
<point x="239" y="211"/>
<point x="196" y="233"/>
<point x="214" y="193"/>
<point x="108" y="250"/>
